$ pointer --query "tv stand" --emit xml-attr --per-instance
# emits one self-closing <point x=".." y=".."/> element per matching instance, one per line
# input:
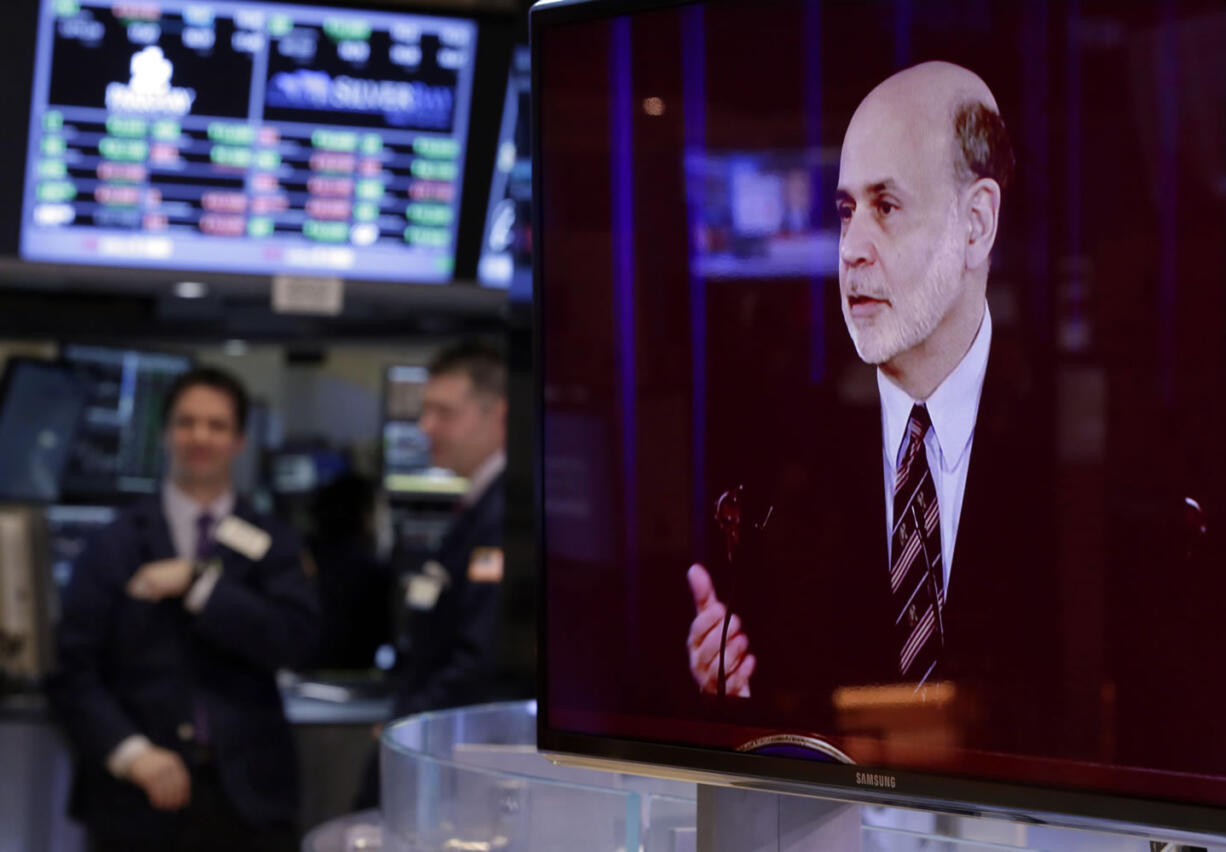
<point x="732" y="819"/>
<point x="472" y="778"/>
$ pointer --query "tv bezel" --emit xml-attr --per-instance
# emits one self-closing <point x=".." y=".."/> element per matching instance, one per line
<point x="954" y="794"/>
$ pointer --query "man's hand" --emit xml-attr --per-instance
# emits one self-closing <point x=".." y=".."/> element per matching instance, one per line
<point x="703" y="643"/>
<point x="169" y="578"/>
<point x="164" y="778"/>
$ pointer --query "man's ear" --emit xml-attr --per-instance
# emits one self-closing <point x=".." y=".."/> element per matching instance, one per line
<point x="981" y="201"/>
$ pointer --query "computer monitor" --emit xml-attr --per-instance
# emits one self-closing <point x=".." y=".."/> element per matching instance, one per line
<point x="70" y="529"/>
<point x="42" y="404"/>
<point x="118" y="451"/>
<point x="247" y="471"/>
<point x="299" y="472"/>
<point x="756" y="213"/>
<point x="254" y="138"/>
<point x="405" y="448"/>
<point x="957" y="469"/>
<point x="506" y="245"/>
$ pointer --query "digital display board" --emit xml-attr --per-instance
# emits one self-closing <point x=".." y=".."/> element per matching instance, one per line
<point x="248" y="138"/>
<point x="506" y="245"/>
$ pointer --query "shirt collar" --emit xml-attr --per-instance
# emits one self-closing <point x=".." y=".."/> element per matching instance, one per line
<point x="952" y="407"/>
<point x="177" y="504"/>
<point x="485" y="473"/>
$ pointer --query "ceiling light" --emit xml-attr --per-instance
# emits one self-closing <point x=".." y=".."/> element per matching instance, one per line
<point x="191" y="289"/>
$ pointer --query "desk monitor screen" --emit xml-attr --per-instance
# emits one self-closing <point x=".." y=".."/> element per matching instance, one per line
<point x="41" y="407"/>
<point x="70" y="529"/>
<point x="958" y="469"/>
<point x="304" y="471"/>
<point x="118" y="450"/>
<point x="406" y="448"/>
<point x="506" y="247"/>
<point x="253" y="138"/>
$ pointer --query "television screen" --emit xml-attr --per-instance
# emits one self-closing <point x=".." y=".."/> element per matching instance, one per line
<point x="406" y="448"/>
<point x="302" y="472"/>
<point x="70" y="529"/>
<point x="252" y="138"/>
<point x="756" y="214"/>
<point x="506" y="247"/>
<point x="41" y="407"/>
<point x="118" y="450"/>
<point x="882" y="379"/>
<point x="247" y="472"/>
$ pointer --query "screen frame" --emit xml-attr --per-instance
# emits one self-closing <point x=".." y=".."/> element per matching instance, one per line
<point x="953" y="794"/>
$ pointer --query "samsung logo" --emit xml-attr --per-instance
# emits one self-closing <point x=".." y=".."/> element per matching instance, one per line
<point x="868" y="779"/>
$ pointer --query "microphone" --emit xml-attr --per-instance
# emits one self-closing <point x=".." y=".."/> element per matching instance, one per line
<point x="729" y="515"/>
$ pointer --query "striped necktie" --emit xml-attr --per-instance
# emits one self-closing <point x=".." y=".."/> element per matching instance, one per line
<point x="917" y="580"/>
<point x="204" y="536"/>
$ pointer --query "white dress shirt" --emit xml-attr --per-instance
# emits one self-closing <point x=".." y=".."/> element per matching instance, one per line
<point x="181" y="513"/>
<point x="953" y="408"/>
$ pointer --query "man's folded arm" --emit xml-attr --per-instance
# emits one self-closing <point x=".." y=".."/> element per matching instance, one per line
<point x="273" y="622"/>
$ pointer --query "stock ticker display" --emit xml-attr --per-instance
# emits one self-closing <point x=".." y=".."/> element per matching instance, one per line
<point x="256" y="138"/>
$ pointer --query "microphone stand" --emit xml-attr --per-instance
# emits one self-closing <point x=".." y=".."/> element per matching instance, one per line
<point x="729" y="515"/>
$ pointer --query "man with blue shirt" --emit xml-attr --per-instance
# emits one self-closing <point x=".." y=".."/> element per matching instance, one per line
<point x="174" y="624"/>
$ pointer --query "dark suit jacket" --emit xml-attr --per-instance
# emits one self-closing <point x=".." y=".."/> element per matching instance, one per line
<point x="1080" y="620"/>
<point x="446" y="652"/>
<point x="128" y="666"/>
<point x="833" y="629"/>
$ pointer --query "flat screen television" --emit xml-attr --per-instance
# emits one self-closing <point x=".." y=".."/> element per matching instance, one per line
<point x="506" y="245"/>
<point x="255" y="138"/>
<point x="42" y="405"/>
<point x="948" y="488"/>
<point x="118" y="452"/>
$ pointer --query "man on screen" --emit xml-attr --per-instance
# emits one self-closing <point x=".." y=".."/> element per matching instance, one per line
<point x="924" y="166"/>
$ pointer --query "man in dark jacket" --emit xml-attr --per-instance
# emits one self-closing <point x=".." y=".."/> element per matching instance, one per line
<point x="173" y="627"/>
<point x="447" y="647"/>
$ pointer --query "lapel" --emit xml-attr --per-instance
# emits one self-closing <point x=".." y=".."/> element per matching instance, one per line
<point x="155" y="540"/>
<point x="1001" y="554"/>
<point x="868" y="494"/>
<point x="471" y="516"/>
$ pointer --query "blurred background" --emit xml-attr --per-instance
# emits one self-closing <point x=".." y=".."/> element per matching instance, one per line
<point x="346" y="193"/>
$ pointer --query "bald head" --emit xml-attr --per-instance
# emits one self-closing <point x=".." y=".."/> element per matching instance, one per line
<point x="942" y="109"/>
<point x="924" y="164"/>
